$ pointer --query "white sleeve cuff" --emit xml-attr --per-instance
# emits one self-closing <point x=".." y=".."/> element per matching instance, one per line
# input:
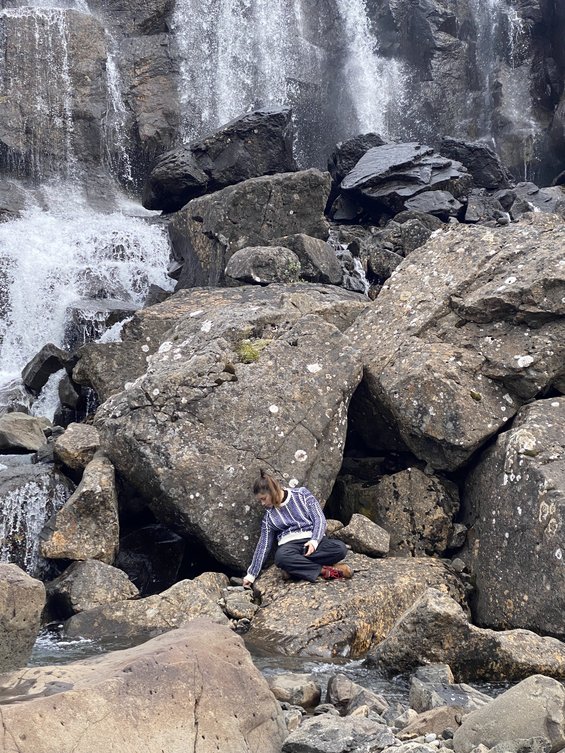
<point x="250" y="578"/>
<point x="314" y="543"/>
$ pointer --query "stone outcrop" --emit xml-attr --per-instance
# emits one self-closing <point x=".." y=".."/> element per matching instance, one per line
<point x="344" y="618"/>
<point x="387" y="176"/>
<point x="76" y="447"/>
<point x="516" y="502"/>
<point x="432" y="686"/>
<point x="206" y="232"/>
<point x="318" y="260"/>
<point x="324" y="734"/>
<point x="49" y="360"/>
<point x="480" y="160"/>
<point x="533" y="708"/>
<point x="469" y="328"/>
<point x="22" y="599"/>
<point x="141" y="618"/>
<point x="171" y="692"/>
<point x="173" y="433"/>
<point x="261" y="265"/>
<point x="415" y="508"/>
<point x="259" y="143"/>
<point x="87" y="585"/>
<point x="365" y="536"/>
<point x="436" y="629"/>
<point x="87" y="526"/>
<point x="18" y="431"/>
<point x="297" y="689"/>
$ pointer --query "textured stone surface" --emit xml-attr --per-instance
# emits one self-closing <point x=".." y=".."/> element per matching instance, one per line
<point x="516" y="503"/>
<point x="171" y="692"/>
<point x="328" y="734"/>
<point x="480" y="160"/>
<point x="364" y="536"/>
<point x="192" y="433"/>
<point x="89" y="584"/>
<point x="469" y="328"/>
<point x="18" y="431"/>
<point x="22" y="599"/>
<point x="435" y="629"/>
<point x="141" y="618"/>
<point x="87" y="526"/>
<point x="206" y="232"/>
<point x="259" y="143"/>
<point x="76" y="447"/>
<point x="263" y="264"/>
<point x="533" y="708"/>
<point x="344" y="618"/>
<point x="298" y="689"/>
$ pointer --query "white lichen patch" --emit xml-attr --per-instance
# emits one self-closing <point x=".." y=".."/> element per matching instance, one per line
<point x="274" y="409"/>
<point x="207" y="326"/>
<point x="155" y="392"/>
<point x="301" y="456"/>
<point x="165" y="347"/>
<point x="523" y="361"/>
<point x="313" y="368"/>
<point x="293" y="483"/>
<point x="145" y="348"/>
<point x="197" y="313"/>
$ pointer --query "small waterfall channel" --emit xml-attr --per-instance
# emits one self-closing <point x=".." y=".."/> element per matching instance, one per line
<point x="73" y="246"/>
<point x="504" y="59"/>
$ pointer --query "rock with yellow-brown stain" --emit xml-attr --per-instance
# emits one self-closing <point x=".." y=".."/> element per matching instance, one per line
<point x="348" y="617"/>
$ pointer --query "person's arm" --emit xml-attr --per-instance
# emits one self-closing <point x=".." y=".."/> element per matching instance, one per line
<point x="317" y="518"/>
<point x="263" y="547"/>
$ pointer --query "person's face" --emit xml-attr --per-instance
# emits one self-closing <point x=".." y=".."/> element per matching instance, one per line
<point x="265" y="500"/>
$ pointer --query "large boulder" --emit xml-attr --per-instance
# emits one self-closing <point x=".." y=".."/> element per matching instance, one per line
<point x="344" y="618"/>
<point x="77" y="446"/>
<point x="436" y="629"/>
<point x="262" y="265"/>
<point x="22" y="599"/>
<point x="140" y="618"/>
<point x="417" y="510"/>
<point x="533" y="708"/>
<point x="87" y="526"/>
<point x="389" y="175"/>
<point x="469" y="328"/>
<point x="171" y="692"/>
<point x="206" y="232"/>
<point x="328" y="734"/>
<point x="480" y="160"/>
<point x="30" y="495"/>
<point x="516" y="502"/>
<point x="49" y="360"/>
<point x="259" y="143"/>
<point x="87" y="585"/>
<point x="242" y="367"/>
<point x="18" y="431"/>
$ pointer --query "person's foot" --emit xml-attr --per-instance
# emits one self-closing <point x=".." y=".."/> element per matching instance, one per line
<point x="336" y="572"/>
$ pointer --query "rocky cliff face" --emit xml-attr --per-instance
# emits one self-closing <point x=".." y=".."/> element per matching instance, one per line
<point x="126" y="82"/>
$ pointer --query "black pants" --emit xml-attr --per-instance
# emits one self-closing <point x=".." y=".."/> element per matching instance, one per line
<point x="290" y="557"/>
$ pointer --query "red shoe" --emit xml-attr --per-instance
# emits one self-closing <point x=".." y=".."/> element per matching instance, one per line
<point x="341" y="571"/>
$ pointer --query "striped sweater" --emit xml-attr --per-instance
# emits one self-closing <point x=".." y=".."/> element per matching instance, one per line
<point x="298" y="517"/>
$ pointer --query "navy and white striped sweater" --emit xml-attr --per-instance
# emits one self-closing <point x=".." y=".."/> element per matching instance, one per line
<point x="298" y="517"/>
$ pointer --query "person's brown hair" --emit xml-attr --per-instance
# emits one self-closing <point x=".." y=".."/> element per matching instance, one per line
<point x="266" y="484"/>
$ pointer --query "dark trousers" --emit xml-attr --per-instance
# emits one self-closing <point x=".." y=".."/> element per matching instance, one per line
<point x="290" y="557"/>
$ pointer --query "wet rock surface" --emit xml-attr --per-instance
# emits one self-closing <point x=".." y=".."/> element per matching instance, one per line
<point x="22" y="599"/>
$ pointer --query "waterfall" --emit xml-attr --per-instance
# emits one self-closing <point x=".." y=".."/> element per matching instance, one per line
<point x="503" y="58"/>
<point x="378" y="82"/>
<point x="36" y="82"/>
<point x="29" y="497"/>
<point x="52" y="260"/>
<point x="238" y="54"/>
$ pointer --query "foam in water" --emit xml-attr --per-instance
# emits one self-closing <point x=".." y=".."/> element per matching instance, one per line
<point x="24" y="514"/>
<point x="51" y="260"/>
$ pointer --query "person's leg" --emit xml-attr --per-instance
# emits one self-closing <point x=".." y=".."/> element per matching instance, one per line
<point x="290" y="557"/>
<point x="329" y="552"/>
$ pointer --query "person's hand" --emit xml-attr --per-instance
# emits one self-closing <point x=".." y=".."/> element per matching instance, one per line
<point x="247" y="583"/>
<point x="309" y="549"/>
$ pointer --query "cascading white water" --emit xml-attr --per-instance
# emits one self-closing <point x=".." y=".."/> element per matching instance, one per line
<point x="378" y="82"/>
<point x="36" y="81"/>
<point x="24" y="513"/>
<point x="50" y="261"/>
<point x="502" y="58"/>
<point x="238" y="54"/>
<point x="114" y="131"/>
